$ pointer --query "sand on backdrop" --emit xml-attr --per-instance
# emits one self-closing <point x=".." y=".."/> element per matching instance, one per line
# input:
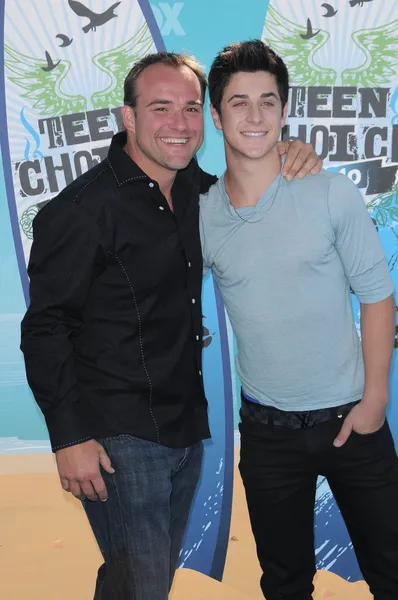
<point x="47" y="550"/>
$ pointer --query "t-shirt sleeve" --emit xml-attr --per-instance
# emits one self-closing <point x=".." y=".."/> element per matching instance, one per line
<point x="206" y="259"/>
<point x="357" y="242"/>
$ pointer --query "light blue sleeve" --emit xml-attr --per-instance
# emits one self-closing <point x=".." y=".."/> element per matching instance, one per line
<point x="206" y="260"/>
<point x="357" y="242"/>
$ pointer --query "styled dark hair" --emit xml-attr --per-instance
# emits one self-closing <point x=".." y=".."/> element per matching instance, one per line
<point x="170" y="59"/>
<point x="249" y="57"/>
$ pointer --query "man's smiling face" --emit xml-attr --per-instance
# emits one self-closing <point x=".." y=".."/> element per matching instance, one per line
<point x="167" y="121"/>
<point x="251" y="114"/>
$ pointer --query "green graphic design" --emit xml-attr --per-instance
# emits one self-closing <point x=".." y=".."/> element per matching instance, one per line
<point x="117" y="63"/>
<point x="26" y="220"/>
<point x="42" y="84"/>
<point x="379" y="46"/>
<point x="384" y="207"/>
<point x="284" y="37"/>
<point x="384" y="211"/>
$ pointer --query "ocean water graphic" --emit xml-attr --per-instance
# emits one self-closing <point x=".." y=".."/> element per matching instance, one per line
<point x="19" y="415"/>
<point x="14" y="445"/>
<point x="204" y="529"/>
<point x="333" y="547"/>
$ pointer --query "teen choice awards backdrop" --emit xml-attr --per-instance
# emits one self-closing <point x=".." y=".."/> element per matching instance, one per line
<point x="62" y="73"/>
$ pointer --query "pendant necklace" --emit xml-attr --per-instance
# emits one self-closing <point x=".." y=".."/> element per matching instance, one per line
<point x="270" y="203"/>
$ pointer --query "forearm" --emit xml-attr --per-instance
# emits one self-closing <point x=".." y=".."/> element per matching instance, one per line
<point x="50" y="372"/>
<point x="378" y="332"/>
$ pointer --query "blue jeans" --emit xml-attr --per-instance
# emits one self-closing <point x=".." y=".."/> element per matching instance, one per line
<point x="140" y="528"/>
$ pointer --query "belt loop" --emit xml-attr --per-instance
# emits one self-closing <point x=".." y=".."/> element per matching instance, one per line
<point x="305" y="420"/>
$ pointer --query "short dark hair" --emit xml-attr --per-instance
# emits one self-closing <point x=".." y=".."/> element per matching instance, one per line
<point x="249" y="57"/>
<point x="170" y="59"/>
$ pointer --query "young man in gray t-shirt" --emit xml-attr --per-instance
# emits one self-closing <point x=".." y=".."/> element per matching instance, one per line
<point x="285" y="255"/>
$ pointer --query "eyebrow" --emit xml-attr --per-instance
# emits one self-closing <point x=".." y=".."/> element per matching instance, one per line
<point x="245" y="96"/>
<point x="161" y="101"/>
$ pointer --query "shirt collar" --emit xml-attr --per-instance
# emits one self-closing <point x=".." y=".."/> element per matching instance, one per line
<point x="124" y="169"/>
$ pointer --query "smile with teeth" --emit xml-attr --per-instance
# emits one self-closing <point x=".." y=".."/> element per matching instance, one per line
<point x="254" y="133"/>
<point x="179" y="141"/>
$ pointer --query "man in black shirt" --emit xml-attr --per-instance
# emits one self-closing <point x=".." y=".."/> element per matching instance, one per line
<point x="112" y="337"/>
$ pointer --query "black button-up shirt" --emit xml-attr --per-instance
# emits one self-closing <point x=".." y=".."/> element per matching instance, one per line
<point x="113" y="336"/>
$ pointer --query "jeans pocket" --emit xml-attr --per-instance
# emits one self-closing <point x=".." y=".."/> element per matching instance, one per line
<point x="371" y="434"/>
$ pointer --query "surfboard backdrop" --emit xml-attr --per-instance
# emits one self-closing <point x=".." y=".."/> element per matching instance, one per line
<point x="63" y="68"/>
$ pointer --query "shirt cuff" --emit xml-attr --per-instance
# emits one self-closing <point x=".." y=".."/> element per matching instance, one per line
<point x="68" y="425"/>
<point x="374" y="285"/>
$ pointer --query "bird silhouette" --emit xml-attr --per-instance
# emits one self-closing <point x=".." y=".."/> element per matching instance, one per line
<point x="330" y="11"/>
<point x="206" y="337"/>
<point x="65" y="40"/>
<point x="359" y="2"/>
<point x="50" y="63"/>
<point x="310" y="33"/>
<point x="96" y="19"/>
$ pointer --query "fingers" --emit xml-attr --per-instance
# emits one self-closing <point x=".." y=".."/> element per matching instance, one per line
<point x="79" y="470"/>
<point x="344" y="434"/>
<point x="76" y="490"/>
<point x="312" y="165"/>
<point x="65" y="484"/>
<point x="282" y="147"/>
<point x="296" y="159"/>
<point x="88" y="490"/>
<point x="301" y="160"/>
<point x="92" y="489"/>
<point x="100" y="489"/>
<point x="292" y="152"/>
<point x="105" y="461"/>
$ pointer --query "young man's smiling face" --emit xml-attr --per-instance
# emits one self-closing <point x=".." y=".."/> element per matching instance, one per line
<point x="251" y="114"/>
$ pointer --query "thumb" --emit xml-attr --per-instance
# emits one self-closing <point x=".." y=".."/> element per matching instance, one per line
<point x="344" y="434"/>
<point x="105" y="461"/>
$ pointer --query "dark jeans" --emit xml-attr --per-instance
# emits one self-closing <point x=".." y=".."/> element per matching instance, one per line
<point x="141" y="526"/>
<point x="279" y="467"/>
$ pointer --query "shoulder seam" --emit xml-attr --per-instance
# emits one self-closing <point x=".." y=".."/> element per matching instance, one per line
<point x="126" y="180"/>
<point x="89" y="183"/>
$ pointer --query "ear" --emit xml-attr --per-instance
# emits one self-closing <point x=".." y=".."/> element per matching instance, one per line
<point x="128" y="116"/>
<point x="284" y="114"/>
<point x="216" y="117"/>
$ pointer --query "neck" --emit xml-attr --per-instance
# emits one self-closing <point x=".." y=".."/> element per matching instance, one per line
<point x="247" y="179"/>
<point x="163" y="176"/>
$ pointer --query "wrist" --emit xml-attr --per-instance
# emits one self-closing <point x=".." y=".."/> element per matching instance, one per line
<point x="375" y="399"/>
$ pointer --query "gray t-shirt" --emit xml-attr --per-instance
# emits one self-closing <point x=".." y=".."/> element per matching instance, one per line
<point x="284" y="269"/>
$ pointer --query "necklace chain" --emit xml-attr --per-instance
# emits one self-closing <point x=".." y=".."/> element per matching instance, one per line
<point x="272" y="200"/>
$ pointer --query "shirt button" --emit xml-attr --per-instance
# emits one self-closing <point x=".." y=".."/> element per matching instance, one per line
<point x="200" y="372"/>
<point x="151" y="184"/>
<point x="193" y="300"/>
<point x="161" y="208"/>
<point x="189" y="265"/>
<point x="197" y="337"/>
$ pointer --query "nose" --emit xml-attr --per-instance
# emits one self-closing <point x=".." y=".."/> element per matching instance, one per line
<point x="254" y="114"/>
<point x="178" y="121"/>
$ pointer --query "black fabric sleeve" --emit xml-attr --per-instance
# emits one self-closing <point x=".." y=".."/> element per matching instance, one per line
<point x="66" y="257"/>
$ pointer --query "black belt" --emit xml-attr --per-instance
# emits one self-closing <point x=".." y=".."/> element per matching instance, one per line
<point x="268" y="415"/>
